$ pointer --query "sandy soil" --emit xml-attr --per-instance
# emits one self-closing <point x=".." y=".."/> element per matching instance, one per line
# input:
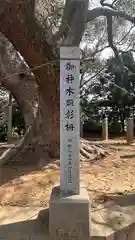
<point x="115" y="174"/>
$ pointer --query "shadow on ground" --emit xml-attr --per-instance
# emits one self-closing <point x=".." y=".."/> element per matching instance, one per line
<point x="8" y="173"/>
<point x="22" y="230"/>
<point x="16" y="169"/>
<point x="128" y="156"/>
<point x="11" y="172"/>
<point x="119" y="144"/>
<point x="124" y="200"/>
<point x="36" y="229"/>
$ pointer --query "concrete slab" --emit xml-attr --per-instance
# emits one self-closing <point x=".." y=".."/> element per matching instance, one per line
<point x="21" y="223"/>
<point x="13" y="214"/>
<point x="114" y="222"/>
<point x="124" y="200"/>
<point x="25" y="230"/>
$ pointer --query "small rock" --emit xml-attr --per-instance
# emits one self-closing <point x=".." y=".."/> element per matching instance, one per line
<point x="17" y="181"/>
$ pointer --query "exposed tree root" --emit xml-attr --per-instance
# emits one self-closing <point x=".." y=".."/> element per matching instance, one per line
<point x="11" y="152"/>
<point x="94" y="150"/>
<point x="89" y="150"/>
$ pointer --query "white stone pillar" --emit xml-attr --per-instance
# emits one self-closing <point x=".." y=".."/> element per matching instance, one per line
<point x="69" y="206"/>
<point x="105" y="128"/>
<point x="69" y="119"/>
<point x="130" y="130"/>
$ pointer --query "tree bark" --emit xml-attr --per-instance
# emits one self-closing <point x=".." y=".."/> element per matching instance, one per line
<point x="29" y="39"/>
<point x="25" y="93"/>
<point x="42" y="140"/>
<point x="122" y="122"/>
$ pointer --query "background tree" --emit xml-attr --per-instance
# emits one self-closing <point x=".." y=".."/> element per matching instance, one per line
<point x="112" y="92"/>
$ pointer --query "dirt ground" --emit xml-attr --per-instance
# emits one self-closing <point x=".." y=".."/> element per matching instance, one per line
<point x="112" y="175"/>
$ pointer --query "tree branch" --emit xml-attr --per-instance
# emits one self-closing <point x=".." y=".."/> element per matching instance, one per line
<point x="2" y="6"/>
<point x="110" y="37"/>
<point x="102" y="2"/>
<point x="103" y="11"/>
<point x="26" y="35"/>
<point x="111" y="44"/>
<point x="87" y="81"/>
<point x="114" y="2"/>
<point x="75" y="14"/>
<point x="123" y="40"/>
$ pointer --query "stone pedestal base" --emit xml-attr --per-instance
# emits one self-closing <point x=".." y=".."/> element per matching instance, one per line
<point x="69" y="216"/>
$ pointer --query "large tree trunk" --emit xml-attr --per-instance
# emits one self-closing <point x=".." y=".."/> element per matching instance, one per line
<point x="23" y="87"/>
<point x="19" y="25"/>
<point x="25" y="92"/>
<point x="42" y="142"/>
<point x="36" y="51"/>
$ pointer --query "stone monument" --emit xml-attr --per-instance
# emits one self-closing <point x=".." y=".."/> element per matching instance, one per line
<point x="69" y="203"/>
<point x="130" y="130"/>
<point x="105" y="128"/>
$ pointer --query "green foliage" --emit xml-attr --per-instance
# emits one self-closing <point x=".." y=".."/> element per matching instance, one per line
<point x="3" y="132"/>
<point x="17" y="120"/>
<point x="18" y="125"/>
<point x="92" y="127"/>
<point x="113" y="93"/>
<point x="114" y="127"/>
<point x="122" y="89"/>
